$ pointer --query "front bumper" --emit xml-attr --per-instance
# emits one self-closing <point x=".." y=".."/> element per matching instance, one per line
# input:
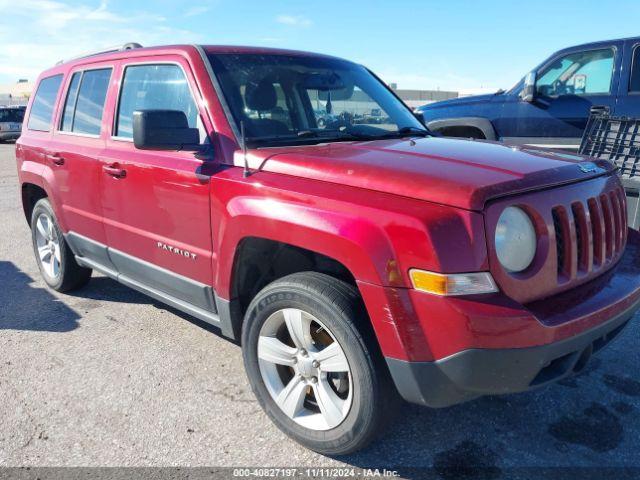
<point x="476" y="372"/>
<point x="11" y="135"/>
<point x="456" y="349"/>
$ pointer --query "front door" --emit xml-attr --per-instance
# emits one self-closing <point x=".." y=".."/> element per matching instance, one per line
<point x="156" y="203"/>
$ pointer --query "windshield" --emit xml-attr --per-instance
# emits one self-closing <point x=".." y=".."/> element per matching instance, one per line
<point x="14" y="115"/>
<point x="293" y="99"/>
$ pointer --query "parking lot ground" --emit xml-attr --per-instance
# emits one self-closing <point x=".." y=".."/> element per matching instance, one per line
<point x="108" y="377"/>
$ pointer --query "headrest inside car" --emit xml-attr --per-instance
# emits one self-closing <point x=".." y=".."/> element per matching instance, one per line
<point x="260" y="96"/>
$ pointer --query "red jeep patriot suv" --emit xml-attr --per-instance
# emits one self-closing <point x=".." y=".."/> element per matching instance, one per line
<point x="353" y="259"/>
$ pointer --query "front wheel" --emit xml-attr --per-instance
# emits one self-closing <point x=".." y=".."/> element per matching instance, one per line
<point x="310" y="366"/>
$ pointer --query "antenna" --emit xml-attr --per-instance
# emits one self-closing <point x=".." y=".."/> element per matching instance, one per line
<point x="246" y="172"/>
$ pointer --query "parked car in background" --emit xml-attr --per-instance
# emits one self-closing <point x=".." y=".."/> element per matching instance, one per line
<point x="550" y="106"/>
<point x="354" y="262"/>
<point x="11" y="122"/>
<point x="323" y="118"/>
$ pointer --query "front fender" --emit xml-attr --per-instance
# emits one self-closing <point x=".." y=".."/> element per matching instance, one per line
<point x="354" y="241"/>
<point x="378" y="237"/>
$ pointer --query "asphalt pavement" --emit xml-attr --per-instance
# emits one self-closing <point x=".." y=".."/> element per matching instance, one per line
<point x="106" y="376"/>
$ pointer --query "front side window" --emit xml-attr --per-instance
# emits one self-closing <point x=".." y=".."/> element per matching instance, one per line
<point x="578" y="73"/>
<point x="153" y="87"/>
<point x="634" y="84"/>
<point x="85" y="101"/>
<point x="293" y="99"/>
<point x="42" y="107"/>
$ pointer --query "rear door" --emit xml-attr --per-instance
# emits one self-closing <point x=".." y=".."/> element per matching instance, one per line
<point x="629" y="90"/>
<point x="72" y="154"/>
<point x="629" y="106"/>
<point x="156" y="203"/>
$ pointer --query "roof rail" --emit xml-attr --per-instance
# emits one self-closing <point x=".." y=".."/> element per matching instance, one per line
<point x="118" y="48"/>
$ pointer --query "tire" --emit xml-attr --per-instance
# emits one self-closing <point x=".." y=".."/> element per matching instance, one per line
<point x="358" y="399"/>
<point x="57" y="265"/>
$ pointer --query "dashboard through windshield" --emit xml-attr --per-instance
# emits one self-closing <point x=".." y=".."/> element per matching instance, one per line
<point x="283" y="99"/>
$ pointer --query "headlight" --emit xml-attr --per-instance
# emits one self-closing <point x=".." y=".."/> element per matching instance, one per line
<point x="515" y="239"/>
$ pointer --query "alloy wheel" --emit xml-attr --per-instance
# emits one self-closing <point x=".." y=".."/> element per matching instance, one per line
<point x="48" y="246"/>
<point x="305" y="369"/>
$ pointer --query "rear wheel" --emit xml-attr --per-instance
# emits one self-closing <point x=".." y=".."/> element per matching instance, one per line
<point x="56" y="262"/>
<point x="310" y="366"/>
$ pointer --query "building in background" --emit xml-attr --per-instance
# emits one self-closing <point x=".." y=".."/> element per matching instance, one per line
<point x="416" y="98"/>
<point x="19" y="93"/>
<point x="16" y="93"/>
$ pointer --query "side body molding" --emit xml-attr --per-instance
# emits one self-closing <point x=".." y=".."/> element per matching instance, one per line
<point x="187" y="295"/>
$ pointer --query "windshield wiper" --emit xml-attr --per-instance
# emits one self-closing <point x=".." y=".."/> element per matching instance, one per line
<point x="402" y="132"/>
<point x="421" y="132"/>
<point x="307" y="134"/>
<point x="332" y="136"/>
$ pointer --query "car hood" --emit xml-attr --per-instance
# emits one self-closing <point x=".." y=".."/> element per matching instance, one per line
<point x="458" y="101"/>
<point x="456" y="172"/>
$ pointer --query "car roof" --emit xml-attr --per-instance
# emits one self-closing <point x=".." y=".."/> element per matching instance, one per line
<point x="259" y="50"/>
<point x="119" y="54"/>
<point x="600" y="42"/>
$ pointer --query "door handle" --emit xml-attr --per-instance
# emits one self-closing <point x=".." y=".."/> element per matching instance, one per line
<point x="55" y="158"/>
<point x="114" y="170"/>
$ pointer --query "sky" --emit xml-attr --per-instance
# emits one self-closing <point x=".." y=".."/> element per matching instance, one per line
<point x="459" y="45"/>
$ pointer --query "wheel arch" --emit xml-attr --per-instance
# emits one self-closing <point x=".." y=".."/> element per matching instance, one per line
<point x="259" y="246"/>
<point x="484" y="125"/>
<point x="30" y="194"/>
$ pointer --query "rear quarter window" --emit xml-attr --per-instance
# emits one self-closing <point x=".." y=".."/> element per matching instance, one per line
<point x="43" y="104"/>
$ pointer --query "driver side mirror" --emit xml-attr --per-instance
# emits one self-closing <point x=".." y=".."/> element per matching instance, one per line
<point x="528" y="93"/>
<point x="420" y="117"/>
<point x="164" y="130"/>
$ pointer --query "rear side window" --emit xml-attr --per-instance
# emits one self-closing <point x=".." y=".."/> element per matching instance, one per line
<point x="634" y="84"/>
<point x="85" y="101"/>
<point x="43" y="103"/>
<point x="153" y="87"/>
